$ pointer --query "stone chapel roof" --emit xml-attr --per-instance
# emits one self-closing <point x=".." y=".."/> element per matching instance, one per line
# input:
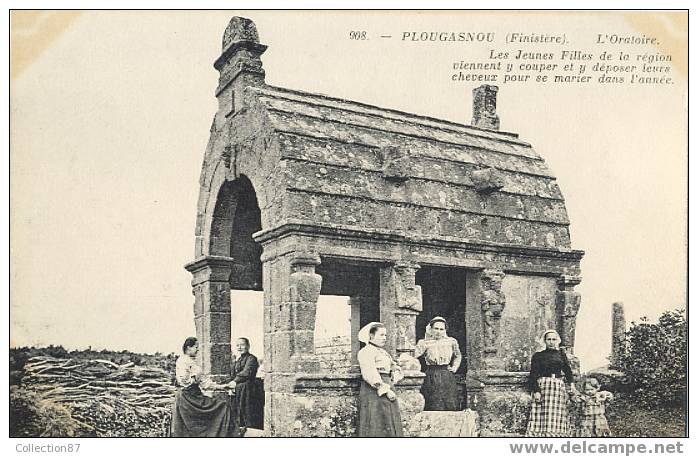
<point x="353" y="164"/>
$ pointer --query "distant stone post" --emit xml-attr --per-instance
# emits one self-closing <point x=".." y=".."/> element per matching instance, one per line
<point x="618" y="334"/>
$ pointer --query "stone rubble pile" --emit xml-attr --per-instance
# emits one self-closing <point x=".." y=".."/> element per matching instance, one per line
<point x="105" y="398"/>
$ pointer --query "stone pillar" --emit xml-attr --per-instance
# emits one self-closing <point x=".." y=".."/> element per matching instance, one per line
<point x="355" y="303"/>
<point x="567" y="304"/>
<point x="400" y="303"/>
<point x="618" y="334"/>
<point x="291" y="291"/>
<point x="211" y="289"/>
<point x="290" y="312"/>
<point x="492" y="302"/>
<point x="364" y="309"/>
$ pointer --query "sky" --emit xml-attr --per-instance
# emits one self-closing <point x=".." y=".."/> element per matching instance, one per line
<point x="110" y="116"/>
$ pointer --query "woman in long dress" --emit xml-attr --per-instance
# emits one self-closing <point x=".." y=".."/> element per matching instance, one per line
<point x="379" y="413"/>
<point x="550" y="370"/>
<point x="195" y="414"/>
<point x="442" y="357"/>
<point x="249" y="404"/>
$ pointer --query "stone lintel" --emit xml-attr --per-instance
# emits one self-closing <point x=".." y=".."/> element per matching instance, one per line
<point x="380" y="254"/>
<point x="293" y="227"/>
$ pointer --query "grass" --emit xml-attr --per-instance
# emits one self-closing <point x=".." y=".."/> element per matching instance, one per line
<point x="626" y="418"/>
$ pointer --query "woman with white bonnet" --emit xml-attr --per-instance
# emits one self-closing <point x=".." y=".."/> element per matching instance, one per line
<point x="379" y="412"/>
<point x="442" y="357"/>
<point x="550" y="371"/>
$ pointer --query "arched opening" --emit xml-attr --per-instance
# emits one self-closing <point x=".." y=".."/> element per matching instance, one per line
<point x="236" y="217"/>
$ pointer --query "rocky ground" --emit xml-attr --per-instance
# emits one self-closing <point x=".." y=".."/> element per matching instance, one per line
<point x="54" y="393"/>
<point x="79" y="396"/>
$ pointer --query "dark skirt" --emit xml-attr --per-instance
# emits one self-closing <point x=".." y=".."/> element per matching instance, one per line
<point x="195" y="415"/>
<point x="439" y="389"/>
<point x="549" y="417"/>
<point x="249" y="404"/>
<point x="378" y="416"/>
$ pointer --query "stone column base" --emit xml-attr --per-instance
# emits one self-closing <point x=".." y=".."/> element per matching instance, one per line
<point x="503" y="403"/>
<point x="410" y="398"/>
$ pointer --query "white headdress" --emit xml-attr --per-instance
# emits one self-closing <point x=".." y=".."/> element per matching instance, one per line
<point x="545" y="333"/>
<point x="550" y="330"/>
<point x="427" y="333"/>
<point x="365" y="332"/>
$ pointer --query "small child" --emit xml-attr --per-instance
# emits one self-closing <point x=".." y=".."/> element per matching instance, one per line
<point x="593" y="401"/>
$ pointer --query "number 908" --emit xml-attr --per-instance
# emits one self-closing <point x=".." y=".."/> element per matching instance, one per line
<point x="357" y="35"/>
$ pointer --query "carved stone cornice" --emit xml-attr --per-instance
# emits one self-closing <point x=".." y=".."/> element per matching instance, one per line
<point x="296" y="227"/>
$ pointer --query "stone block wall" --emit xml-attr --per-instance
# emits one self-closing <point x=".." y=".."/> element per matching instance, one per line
<point x="530" y="310"/>
<point x="313" y="413"/>
<point x="327" y="406"/>
<point x="334" y="354"/>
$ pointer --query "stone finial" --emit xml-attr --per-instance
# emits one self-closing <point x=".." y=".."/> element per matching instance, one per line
<point x="485" y="107"/>
<point x="240" y="63"/>
<point x="241" y="47"/>
<point x="240" y="29"/>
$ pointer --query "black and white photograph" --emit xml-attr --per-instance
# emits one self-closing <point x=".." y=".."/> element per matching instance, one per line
<point x="348" y="223"/>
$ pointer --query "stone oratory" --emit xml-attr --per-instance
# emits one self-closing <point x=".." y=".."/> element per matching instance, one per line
<point x="303" y="194"/>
